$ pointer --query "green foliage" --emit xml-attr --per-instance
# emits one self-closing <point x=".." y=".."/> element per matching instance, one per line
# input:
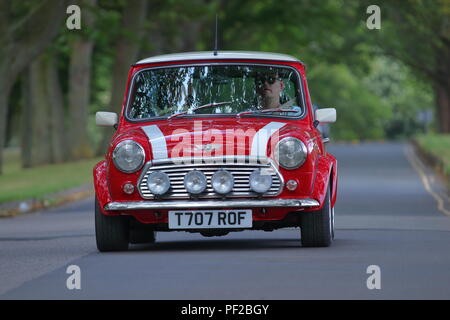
<point x="360" y="113"/>
<point x="416" y="32"/>
<point x="375" y="98"/>
<point x="348" y="66"/>
<point x="406" y="94"/>
<point x="17" y="183"/>
<point x="438" y="145"/>
<point x="377" y="80"/>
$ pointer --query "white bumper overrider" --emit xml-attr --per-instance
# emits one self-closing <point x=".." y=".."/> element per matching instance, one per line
<point x="210" y="204"/>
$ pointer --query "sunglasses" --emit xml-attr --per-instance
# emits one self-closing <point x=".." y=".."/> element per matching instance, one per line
<point x="269" y="79"/>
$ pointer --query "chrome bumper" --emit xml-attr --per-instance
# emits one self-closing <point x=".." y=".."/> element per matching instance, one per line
<point x="211" y="204"/>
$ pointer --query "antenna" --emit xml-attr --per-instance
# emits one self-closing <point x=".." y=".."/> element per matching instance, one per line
<point x="215" y="39"/>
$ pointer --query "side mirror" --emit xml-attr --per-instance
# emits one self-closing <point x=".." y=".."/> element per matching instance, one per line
<point x="326" y="115"/>
<point x="106" y="119"/>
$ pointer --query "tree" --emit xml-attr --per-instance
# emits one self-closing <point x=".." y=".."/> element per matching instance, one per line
<point x="43" y="134"/>
<point x="361" y="113"/>
<point x="417" y="32"/>
<point x="329" y="32"/>
<point x="21" y="40"/>
<point x="127" y="48"/>
<point x="82" y="46"/>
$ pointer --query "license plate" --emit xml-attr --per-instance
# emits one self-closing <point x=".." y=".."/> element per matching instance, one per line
<point x="212" y="219"/>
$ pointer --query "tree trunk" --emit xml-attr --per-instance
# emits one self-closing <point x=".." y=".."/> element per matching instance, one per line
<point x="79" y="92"/>
<point x="5" y="89"/>
<point x="26" y="123"/>
<point x="79" y="88"/>
<point x="42" y="114"/>
<point x="127" y="50"/>
<point x="57" y="119"/>
<point x="36" y="113"/>
<point x="189" y="37"/>
<point x="19" y="43"/>
<point x="443" y="107"/>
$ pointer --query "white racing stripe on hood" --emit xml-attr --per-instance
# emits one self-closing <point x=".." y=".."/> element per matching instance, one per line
<point x="157" y="140"/>
<point x="261" y="138"/>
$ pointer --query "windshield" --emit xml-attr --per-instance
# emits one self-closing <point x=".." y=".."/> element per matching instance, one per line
<point x="216" y="89"/>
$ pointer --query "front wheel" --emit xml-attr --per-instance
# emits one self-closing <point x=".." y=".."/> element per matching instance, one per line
<point x="317" y="227"/>
<point x="111" y="232"/>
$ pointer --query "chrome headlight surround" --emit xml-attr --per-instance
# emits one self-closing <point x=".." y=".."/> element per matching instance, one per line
<point x="222" y="181"/>
<point x="128" y="156"/>
<point x="195" y="182"/>
<point x="290" y="153"/>
<point x="158" y="183"/>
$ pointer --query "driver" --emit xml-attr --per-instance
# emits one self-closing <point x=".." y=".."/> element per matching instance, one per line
<point x="269" y="86"/>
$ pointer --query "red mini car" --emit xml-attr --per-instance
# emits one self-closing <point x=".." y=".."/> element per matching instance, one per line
<point x="212" y="143"/>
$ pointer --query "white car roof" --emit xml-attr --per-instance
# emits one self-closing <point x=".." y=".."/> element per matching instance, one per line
<point x="208" y="55"/>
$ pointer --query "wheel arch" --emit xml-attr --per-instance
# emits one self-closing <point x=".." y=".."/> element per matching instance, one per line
<point x="325" y="175"/>
<point x="333" y="181"/>
<point x="101" y="185"/>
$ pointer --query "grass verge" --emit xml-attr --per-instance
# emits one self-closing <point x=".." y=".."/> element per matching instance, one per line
<point x="17" y="183"/>
<point x="436" y="149"/>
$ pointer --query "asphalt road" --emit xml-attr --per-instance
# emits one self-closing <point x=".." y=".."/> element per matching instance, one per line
<point x="384" y="217"/>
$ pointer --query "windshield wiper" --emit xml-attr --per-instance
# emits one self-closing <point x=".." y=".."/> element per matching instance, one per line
<point x="214" y="104"/>
<point x="265" y="111"/>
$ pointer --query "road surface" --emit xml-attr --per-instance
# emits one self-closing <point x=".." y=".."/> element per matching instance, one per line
<point x="389" y="214"/>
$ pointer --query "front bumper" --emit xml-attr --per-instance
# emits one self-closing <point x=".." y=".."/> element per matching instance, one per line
<point x="210" y="204"/>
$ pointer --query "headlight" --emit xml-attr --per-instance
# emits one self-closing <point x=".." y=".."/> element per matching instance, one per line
<point x="158" y="182"/>
<point x="260" y="181"/>
<point x="128" y="156"/>
<point x="290" y="153"/>
<point x="222" y="181"/>
<point x="195" y="182"/>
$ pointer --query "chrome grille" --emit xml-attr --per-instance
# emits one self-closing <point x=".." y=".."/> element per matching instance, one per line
<point x="239" y="168"/>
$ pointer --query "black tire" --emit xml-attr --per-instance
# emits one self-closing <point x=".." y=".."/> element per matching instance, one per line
<point x="111" y="232"/>
<point x="317" y="227"/>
